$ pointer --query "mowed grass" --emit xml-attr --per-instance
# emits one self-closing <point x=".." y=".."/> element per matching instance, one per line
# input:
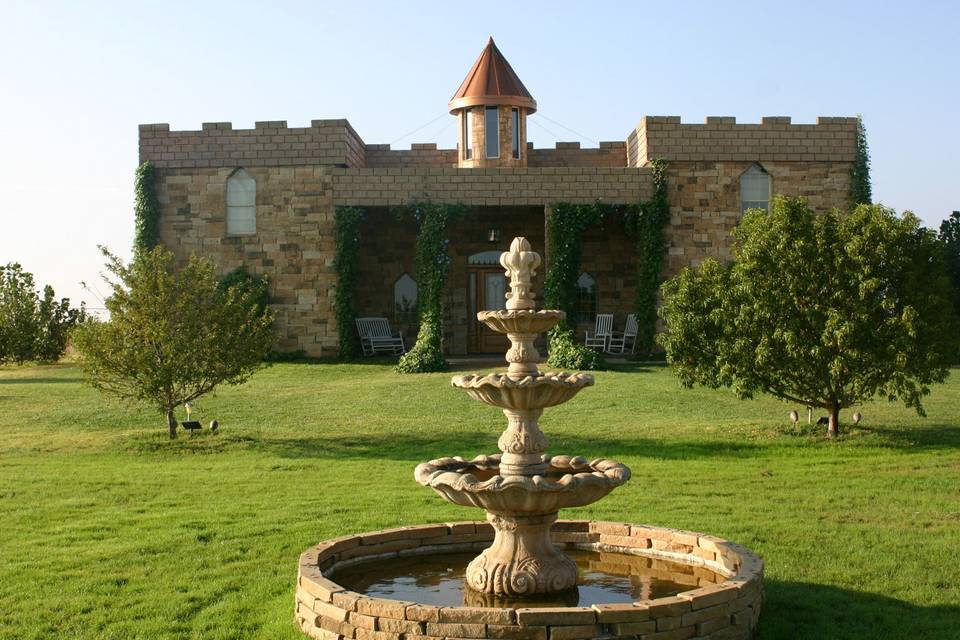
<point x="110" y="530"/>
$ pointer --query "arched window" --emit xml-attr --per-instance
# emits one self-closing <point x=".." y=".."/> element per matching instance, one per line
<point x="585" y="305"/>
<point x="755" y="188"/>
<point x="405" y="299"/>
<point x="241" y="204"/>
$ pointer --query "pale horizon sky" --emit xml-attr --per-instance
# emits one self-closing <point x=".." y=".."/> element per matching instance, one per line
<point x="77" y="78"/>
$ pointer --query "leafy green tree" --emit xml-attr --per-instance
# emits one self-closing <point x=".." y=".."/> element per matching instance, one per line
<point x="19" y="331"/>
<point x="173" y="335"/>
<point x="950" y="240"/>
<point x="32" y="328"/>
<point x="55" y="320"/>
<point x="826" y="310"/>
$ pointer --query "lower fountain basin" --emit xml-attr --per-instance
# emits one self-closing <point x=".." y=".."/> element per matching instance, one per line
<point x="604" y="577"/>
<point x="569" y="481"/>
<point x="716" y="586"/>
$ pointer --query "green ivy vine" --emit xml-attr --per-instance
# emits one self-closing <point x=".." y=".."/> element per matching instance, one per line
<point x="565" y="228"/>
<point x="566" y="225"/>
<point x="146" y="209"/>
<point x="432" y="263"/>
<point x="646" y="222"/>
<point x="861" y="191"/>
<point x="346" y="232"/>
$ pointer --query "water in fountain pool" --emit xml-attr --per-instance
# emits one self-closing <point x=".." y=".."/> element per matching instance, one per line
<point x="604" y="578"/>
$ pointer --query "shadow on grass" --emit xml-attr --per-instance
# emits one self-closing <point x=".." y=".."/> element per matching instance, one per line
<point x="925" y="437"/>
<point x="13" y="381"/>
<point x="418" y="449"/>
<point x="798" y="610"/>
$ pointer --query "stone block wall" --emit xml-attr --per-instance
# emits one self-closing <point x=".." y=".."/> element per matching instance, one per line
<point x="569" y="154"/>
<point x="705" y="202"/>
<point x="522" y="186"/>
<point x="269" y="144"/>
<point x="723" y="139"/>
<point x="293" y="245"/>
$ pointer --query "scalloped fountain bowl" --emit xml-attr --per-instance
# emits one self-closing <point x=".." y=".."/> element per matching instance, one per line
<point x="520" y="320"/>
<point x="526" y="393"/>
<point x="569" y="481"/>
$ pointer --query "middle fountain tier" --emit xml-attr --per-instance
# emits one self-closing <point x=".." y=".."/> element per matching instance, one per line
<point x="522" y="488"/>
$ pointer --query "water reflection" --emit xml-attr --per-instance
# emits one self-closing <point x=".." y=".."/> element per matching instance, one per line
<point x="604" y="578"/>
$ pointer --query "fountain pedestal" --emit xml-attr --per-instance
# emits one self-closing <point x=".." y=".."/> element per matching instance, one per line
<point x="528" y="488"/>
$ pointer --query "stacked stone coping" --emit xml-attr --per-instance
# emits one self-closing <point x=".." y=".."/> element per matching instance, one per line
<point x="726" y="610"/>
<point x="272" y="143"/>
<point x="375" y="187"/>
<point x="722" y="138"/>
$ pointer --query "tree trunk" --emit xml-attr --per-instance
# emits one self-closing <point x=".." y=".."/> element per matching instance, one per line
<point x="171" y="424"/>
<point x="833" y="426"/>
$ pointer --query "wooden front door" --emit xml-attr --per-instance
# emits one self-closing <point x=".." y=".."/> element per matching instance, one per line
<point x="487" y="292"/>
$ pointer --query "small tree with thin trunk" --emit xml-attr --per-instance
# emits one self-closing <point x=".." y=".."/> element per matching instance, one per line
<point x="173" y="335"/>
<point x="826" y="310"/>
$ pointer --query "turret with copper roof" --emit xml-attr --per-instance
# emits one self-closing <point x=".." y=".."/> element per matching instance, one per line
<point x="492" y="105"/>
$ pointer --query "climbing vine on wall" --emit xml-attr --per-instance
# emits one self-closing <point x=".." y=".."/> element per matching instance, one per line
<point x="347" y="239"/>
<point x="861" y="190"/>
<point x="146" y="209"/>
<point x="565" y="228"/>
<point x="646" y="222"/>
<point x="566" y="225"/>
<point x="432" y="262"/>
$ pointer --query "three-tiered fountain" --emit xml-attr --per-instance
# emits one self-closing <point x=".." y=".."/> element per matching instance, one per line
<point x="522" y="489"/>
<point x="623" y="580"/>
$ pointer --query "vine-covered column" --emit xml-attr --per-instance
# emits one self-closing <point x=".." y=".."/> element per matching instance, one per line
<point x="651" y="248"/>
<point x="566" y="224"/>
<point x="432" y="262"/>
<point x="146" y="209"/>
<point x="346" y="263"/>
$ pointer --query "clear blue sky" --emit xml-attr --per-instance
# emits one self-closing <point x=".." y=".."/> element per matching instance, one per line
<point x="77" y="78"/>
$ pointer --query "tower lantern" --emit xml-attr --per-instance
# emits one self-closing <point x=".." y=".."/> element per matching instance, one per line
<point x="492" y="106"/>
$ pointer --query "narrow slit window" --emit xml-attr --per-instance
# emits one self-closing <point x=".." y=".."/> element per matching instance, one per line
<point x="491" y="131"/>
<point x="515" y="128"/>
<point x="467" y="135"/>
<point x="241" y="204"/>
<point x="755" y="189"/>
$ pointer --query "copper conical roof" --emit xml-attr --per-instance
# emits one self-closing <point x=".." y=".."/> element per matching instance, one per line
<point x="492" y="81"/>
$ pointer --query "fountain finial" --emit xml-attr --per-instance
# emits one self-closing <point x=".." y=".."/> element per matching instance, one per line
<point x="521" y="265"/>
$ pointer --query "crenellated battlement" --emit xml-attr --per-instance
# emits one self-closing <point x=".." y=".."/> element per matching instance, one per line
<point x="335" y="143"/>
<point x="718" y="138"/>
<point x="269" y="143"/>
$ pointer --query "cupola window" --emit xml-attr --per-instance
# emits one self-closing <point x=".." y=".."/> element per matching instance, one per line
<point x="467" y="135"/>
<point x="515" y="128"/>
<point x="491" y="132"/>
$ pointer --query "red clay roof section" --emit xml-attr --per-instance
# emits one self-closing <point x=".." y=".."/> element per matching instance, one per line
<point x="492" y="81"/>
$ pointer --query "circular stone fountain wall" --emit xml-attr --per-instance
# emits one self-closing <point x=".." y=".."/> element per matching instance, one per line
<point x="728" y="609"/>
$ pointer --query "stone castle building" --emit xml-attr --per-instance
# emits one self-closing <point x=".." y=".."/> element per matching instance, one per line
<point x="265" y="198"/>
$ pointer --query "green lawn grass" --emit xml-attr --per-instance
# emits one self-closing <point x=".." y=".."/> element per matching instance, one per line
<point x="110" y="530"/>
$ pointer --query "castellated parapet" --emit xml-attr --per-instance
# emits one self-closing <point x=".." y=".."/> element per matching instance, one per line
<point x="718" y="138"/>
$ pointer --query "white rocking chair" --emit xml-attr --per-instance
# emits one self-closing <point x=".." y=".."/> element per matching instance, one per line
<point x="619" y="340"/>
<point x="376" y="337"/>
<point x="600" y="338"/>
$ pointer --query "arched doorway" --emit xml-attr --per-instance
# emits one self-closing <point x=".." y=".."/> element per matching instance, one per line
<point x="487" y="289"/>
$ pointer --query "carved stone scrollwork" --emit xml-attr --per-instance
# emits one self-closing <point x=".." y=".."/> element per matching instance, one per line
<point x="522" y="559"/>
